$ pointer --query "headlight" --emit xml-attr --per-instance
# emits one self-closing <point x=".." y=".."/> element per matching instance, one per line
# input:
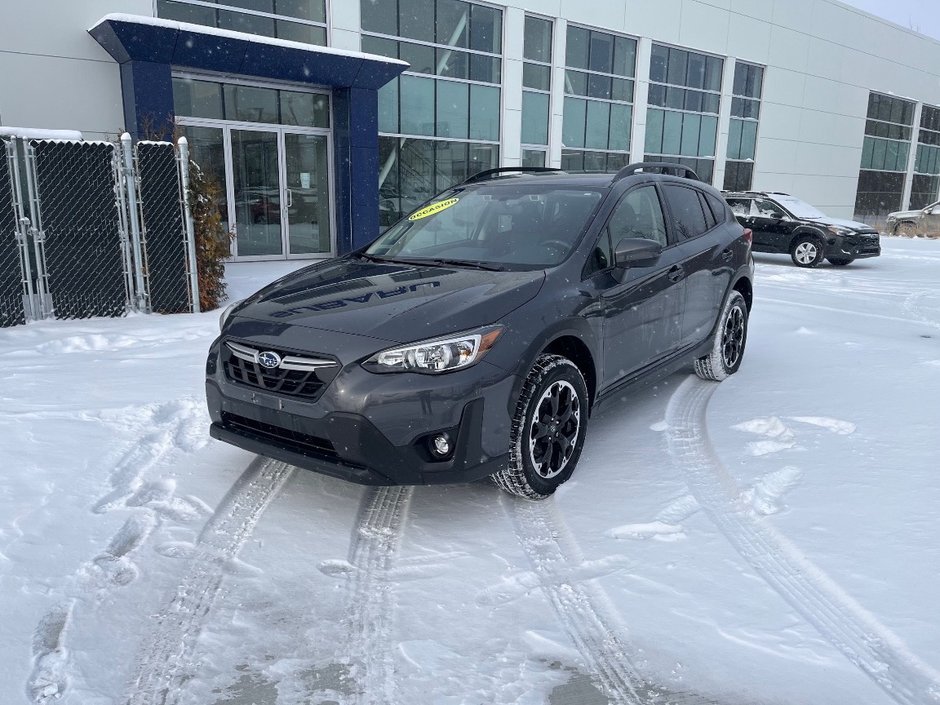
<point x="839" y="230"/>
<point x="226" y="313"/>
<point x="436" y="355"/>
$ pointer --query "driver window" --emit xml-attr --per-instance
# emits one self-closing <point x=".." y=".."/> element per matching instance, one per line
<point x="763" y="208"/>
<point x="638" y="214"/>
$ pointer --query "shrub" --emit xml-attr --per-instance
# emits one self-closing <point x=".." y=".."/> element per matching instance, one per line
<point x="213" y="243"/>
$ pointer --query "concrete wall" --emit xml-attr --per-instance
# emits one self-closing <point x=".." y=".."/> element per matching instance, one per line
<point x="53" y="75"/>
<point x="822" y="58"/>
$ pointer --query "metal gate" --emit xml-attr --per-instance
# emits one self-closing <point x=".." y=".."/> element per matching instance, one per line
<point x="80" y="227"/>
<point x="94" y="229"/>
<point x="165" y="250"/>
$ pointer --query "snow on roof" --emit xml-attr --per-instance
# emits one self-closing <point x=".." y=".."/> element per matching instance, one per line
<point x="34" y="133"/>
<point x="231" y="34"/>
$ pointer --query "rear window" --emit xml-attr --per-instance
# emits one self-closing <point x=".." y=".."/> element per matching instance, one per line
<point x="686" y="207"/>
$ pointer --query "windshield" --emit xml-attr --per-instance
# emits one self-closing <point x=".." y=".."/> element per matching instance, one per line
<point x="507" y="226"/>
<point x="801" y="209"/>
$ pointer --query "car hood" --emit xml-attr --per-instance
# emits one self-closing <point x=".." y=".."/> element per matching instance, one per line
<point x="851" y="224"/>
<point x="905" y="214"/>
<point x="397" y="303"/>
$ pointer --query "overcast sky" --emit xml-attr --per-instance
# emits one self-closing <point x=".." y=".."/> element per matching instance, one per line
<point x="920" y="15"/>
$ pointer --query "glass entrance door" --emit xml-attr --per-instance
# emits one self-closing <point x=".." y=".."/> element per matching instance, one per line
<point x="308" y="193"/>
<point x="280" y="192"/>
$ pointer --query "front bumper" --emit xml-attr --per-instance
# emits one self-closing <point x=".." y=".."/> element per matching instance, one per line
<point x="371" y="428"/>
<point x="853" y="246"/>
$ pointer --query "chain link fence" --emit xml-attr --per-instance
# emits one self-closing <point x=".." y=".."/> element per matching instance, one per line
<point x="93" y="229"/>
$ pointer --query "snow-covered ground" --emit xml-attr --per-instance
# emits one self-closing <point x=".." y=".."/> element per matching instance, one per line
<point x="769" y="540"/>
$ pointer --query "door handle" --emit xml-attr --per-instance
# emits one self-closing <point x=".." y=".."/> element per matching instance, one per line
<point x="727" y="254"/>
<point x="290" y="198"/>
<point x="676" y="273"/>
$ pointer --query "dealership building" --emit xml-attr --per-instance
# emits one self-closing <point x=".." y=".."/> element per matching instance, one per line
<point x="325" y="120"/>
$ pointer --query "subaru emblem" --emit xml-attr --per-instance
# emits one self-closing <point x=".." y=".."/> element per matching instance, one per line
<point x="269" y="359"/>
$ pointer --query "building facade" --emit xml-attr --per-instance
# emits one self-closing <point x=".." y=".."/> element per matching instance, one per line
<point x="298" y="108"/>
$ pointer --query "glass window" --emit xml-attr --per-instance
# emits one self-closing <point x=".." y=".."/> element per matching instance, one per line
<point x="537" y="44"/>
<point x="379" y="16"/>
<point x="597" y="130"/>
<point x="305" y="109"/>
<point x="417" y="105"/>
<point x="197" y="98"/>
<point x="388" y="107"/>
<point x="534" y="118"/>
<point x="453" y="109"/>
<point x="575" y="113"/>
<point x="638" y="215"/>
<point x="484" y="119"/>
<point x="453" y="23"/>
<point x="240" y="22"/>
<point x="533" y="157"/>
<point x="415" y="19"/>
<point x="183" y="12"/>
<point x="486" y="29"/>
<point x="250" y="104"/>
<point x="536" y="76"/>
<point x="686" y="209"/>
<point x="420" y="56"/>
<point x="578" y="46"/>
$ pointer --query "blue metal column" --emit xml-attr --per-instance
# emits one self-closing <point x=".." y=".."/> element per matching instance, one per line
<point x="356" y="145"/>
<point x="147" y="88"/>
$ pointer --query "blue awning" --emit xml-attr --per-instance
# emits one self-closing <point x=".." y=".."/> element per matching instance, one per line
<point x="181" y="45"/>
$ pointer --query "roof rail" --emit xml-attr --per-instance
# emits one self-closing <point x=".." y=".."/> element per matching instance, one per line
<point x="662" y="167"/>
<point x="489" y="173"/>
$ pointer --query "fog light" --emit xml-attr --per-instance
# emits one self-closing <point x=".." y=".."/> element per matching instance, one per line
<point x="440" y="445"/>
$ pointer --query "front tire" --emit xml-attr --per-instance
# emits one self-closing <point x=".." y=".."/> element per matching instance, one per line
<point x="905" y="230"/>
<point x="807" y="251"/>
<point x="729" y="341"/>
<point x="548" y="429"/>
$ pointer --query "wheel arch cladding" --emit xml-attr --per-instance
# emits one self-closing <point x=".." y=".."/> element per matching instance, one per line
<point x="577" y="351"/>
<point x="807" y="232"/>
<point x="744" y="286"/>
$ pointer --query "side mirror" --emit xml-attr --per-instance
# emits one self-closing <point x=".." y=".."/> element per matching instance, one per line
<point x="776" y="216"/>
<point x="934" y="211"/>
<point x="637" y="252"/>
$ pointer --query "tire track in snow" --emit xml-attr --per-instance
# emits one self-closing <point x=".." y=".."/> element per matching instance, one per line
<point x="913" y="306"/>
<point x="868" y="644"/>
<point x="374" y="545"/>
<point x="164" y="663"/>
<point x="584" y="610"/>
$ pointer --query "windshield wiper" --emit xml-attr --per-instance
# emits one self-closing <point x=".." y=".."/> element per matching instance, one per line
<point x="438" y="262"/>
<point x="472" y="264"/>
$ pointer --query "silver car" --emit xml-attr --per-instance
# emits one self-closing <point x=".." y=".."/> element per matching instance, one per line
<point x="924" y="222"/>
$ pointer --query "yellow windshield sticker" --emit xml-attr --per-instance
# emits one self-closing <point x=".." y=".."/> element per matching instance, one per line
<point x="433" y="209"/>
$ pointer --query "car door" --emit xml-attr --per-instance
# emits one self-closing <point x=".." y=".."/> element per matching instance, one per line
<point x="932" y="219"/>
<point x="706" y="258"/>
<point x="771" y="226"/>
<point x="640" y="304"/>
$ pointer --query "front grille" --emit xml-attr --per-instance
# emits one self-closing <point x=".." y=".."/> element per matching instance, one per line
<point x="292" y="440"/>
<point x="241" y="366"/>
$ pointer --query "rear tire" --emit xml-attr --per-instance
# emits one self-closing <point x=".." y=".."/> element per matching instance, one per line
<point x="807" y="251"/>
<point x="840" y="261"/>
<point x="729" y="341"/>
<point x="548" y="429"/>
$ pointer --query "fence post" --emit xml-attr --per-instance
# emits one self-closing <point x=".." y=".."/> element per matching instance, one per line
<point x="31" y="305"/>
<point x="46" y="306"/>
<point x="188" y="218"/>
<point x="133" y="217"/>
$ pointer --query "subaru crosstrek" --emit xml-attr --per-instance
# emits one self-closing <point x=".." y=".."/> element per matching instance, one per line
<point x="474" y="337"/>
